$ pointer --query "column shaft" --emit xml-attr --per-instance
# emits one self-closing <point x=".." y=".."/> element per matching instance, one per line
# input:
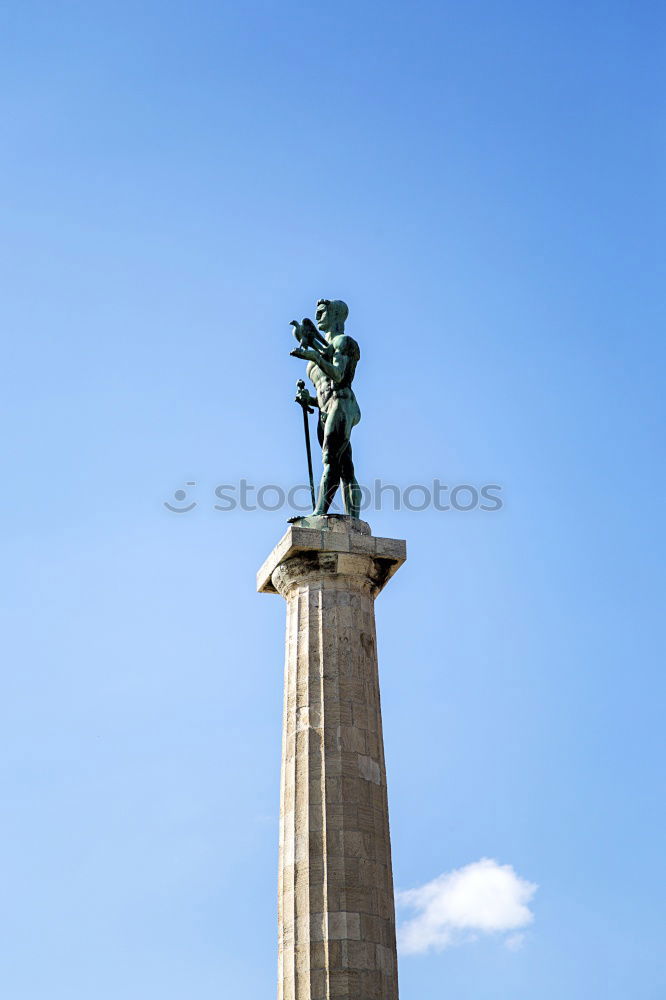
<point x="335" y="902"/>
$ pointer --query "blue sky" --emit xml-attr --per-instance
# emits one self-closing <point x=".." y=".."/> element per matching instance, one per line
<point x="483" y="184"/>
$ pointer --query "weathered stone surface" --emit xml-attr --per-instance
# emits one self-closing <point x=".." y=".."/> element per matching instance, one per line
<point x="335" y="911"/>
<point x="334" y="536"/>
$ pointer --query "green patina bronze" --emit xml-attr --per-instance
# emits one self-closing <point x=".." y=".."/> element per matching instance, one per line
<point x="332" y="363"/>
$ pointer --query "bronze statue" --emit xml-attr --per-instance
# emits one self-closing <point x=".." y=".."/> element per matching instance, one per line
<point x="332" y="363"/>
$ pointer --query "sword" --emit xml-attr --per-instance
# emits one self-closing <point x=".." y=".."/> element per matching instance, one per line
<point x="306" y="429"/>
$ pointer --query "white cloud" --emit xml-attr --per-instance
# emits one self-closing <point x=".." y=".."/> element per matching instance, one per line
<point x="481" y="898"/>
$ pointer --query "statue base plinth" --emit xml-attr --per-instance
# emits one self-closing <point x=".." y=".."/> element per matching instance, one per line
<point x="331" y="522"/>
<point x="331" y="534"/>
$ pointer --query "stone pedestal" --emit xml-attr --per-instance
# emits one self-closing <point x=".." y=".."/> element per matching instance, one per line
<point x="336" y="910"/>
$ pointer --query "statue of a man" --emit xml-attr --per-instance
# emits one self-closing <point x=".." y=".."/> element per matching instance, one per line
<point x="331" y="369"/>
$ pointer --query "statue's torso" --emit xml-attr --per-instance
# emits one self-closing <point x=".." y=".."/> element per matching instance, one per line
<point x="327" y="389"/>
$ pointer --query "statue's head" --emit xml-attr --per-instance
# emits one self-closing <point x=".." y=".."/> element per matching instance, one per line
<point x="331" y="315"/>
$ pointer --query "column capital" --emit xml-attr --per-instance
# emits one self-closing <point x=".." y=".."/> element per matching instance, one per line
<point x="327" y="547"/>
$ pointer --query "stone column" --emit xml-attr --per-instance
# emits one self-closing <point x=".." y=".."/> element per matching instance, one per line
<point x="336" y="915"/>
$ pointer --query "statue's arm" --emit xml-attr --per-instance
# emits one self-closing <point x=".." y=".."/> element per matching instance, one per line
<point x="335" y="366"/>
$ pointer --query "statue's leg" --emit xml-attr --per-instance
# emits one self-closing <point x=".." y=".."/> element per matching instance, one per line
<point x="351" y="491"/>
<point x="333" y="443"/>
<point x="328" y="486"/>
